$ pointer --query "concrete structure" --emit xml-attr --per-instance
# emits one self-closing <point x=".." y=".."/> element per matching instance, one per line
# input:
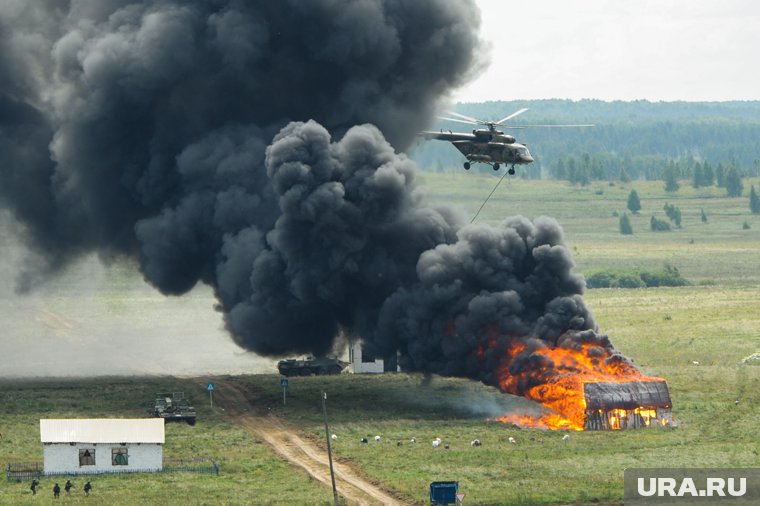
<point x="102" y="445"/>
<point x="362" y="363"/>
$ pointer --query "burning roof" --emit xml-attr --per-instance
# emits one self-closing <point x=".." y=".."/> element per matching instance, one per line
<point x="626" y="395"/>
<point x="626" y="405"/>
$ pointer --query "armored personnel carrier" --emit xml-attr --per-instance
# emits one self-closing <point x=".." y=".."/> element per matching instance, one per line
<point x="173" y="406"/>
<point x="310" y="365"/>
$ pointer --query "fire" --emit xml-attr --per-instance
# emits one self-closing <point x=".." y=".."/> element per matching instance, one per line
<point x="555" y="378"/>
<point x="552" y="421"/>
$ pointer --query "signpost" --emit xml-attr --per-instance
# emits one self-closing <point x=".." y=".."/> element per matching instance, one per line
<point x="210" y="389"/>
<point x="284" y="385"/>
<point x="460" y="497"/>
<point x="329" y="449"/>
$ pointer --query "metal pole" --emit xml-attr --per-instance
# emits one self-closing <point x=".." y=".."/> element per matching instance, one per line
<point x="211" y="398"/>
<point x="329" y="449"/>
<point x="283" y="395"/>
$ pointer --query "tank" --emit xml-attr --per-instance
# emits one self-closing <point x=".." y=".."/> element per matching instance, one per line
<point x="173" y="407"/>
<point x="310" y="365"/>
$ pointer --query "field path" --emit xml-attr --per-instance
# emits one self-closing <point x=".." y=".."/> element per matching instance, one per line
<point x="297" y="450"/>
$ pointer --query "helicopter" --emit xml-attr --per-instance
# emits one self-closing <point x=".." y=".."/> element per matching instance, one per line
<point x="489" y="146"/>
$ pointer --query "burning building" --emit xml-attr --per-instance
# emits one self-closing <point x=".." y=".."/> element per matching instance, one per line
<point x="586" y="383"/>
<point x="626" y="405"/>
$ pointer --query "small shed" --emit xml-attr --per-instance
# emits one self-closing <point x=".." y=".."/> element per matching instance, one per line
<point x="627" y="405"/>
<point x="104" y="445"/>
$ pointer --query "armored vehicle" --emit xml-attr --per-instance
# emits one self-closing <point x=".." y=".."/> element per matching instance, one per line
<point x="310" y="365"/>
<point x="173" y="406"/>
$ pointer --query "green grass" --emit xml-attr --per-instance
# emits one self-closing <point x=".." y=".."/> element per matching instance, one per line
<point x="718" y="251"/>
<point x="713" y="322"/>
<point x="251" y="473"/>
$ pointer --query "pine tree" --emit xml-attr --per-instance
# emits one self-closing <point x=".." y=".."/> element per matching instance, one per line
<point x="708" y="175"/>
<point x="697" y="176"/>
<point x="597" y="170"/>
<point x="670" y="174"/>
<point x="754" y="201"/>
<point x="658" y="225"/>
<point x="674" y="214"/>
<point x="704" y="216"/>
<point x="624" y="177"/>
<point x="625" y="225"/>
<point x="734" y="184"/>
<point x="720" y="175"/>
<point x="634" y="204"/>
<point x="572" y="170"/>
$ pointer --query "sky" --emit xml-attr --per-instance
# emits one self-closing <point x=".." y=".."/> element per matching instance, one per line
<point x="661" y="50"/>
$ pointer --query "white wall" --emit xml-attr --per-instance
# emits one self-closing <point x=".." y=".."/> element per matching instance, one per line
<point x="64" y="458"/>
<point x="357" y="366"/>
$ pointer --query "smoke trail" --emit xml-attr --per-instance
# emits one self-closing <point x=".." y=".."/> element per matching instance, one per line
<point x="254" y="146"/>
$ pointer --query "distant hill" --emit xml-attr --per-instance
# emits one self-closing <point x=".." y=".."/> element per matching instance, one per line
<point x="642" y="137"/>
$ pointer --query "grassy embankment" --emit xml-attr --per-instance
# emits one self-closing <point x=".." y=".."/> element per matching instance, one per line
<point x="713" y="322"/>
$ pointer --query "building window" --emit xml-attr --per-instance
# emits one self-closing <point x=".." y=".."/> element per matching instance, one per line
<point x="87" y="457"/>
<point x="119" y="457"/>
<point x="367" y="358"/>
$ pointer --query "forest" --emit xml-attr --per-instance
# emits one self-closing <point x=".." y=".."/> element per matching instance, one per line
<point x="629" y="140"/>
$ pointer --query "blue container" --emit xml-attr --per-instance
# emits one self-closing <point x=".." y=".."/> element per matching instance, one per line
<point x="443" y="492"/>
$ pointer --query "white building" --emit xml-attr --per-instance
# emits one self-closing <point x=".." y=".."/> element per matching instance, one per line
<point x="102" y="445"/>
<point x="361" y="362"/>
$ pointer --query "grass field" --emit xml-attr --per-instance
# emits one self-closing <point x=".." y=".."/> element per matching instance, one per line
<point x="714" y="322"/>
<point x="719" y="251"/>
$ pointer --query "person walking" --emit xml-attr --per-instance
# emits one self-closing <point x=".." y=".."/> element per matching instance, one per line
<point x="56" y="491"/>
<point x="34" y="486"/>
<point x="68" y="486"/>
<point x="87" y="488"/>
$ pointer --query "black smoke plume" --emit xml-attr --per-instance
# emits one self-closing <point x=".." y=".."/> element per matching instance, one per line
<point x="254" y="146"/>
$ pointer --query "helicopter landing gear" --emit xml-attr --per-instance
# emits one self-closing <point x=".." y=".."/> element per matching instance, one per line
<point x="496" y="166"/>
<point x="466" y="165"/>
<point x="511" y="170"/>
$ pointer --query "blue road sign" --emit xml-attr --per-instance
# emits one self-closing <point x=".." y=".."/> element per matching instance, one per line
<point x="284" y="382"/>
<point x="210" y="387"/>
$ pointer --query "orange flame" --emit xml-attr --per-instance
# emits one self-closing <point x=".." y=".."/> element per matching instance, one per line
<point x="556" y="378"/>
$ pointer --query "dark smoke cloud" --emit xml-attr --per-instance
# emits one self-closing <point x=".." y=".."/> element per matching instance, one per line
<point x="105" y="107"/>
<point x="254" y="146"/>
<point x="509" y="282"/>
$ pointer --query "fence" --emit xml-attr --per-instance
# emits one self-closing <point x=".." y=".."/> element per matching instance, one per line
<point x="24" y="471"/>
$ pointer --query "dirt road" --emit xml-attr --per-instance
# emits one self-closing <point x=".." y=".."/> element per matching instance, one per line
<point x="297" y="450"/>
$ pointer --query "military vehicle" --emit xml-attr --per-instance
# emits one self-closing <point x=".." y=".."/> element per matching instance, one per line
<point x="173" y="407"/>
<point x="310" y="365"/>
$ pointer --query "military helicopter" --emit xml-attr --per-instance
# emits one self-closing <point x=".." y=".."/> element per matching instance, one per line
<point x="489" y="146"/>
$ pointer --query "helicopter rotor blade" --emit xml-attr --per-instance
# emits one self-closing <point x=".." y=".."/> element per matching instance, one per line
<point x="469" y="118"/>
<point x="516" y="113"/>
<point x="459" y="120"/>
<point x="546" y="126"/>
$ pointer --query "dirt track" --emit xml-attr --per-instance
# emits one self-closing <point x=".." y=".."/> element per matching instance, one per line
<point x="298" y="451"/>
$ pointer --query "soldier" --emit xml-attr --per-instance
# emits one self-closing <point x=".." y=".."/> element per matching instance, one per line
<point x="56" y="491"/>
<point x="68" y="486"/>
<point x="35" y="483"/>
<point x="87" y="488"/>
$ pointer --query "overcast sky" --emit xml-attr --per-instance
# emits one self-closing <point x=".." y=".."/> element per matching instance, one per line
<point x="611" y="49"/>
